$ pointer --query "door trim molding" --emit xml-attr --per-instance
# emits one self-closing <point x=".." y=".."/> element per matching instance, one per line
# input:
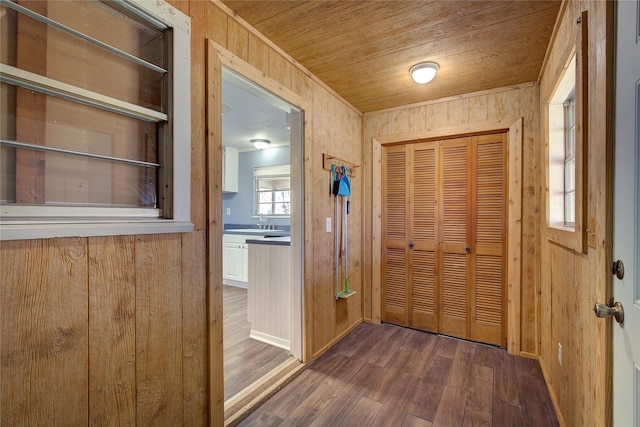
<point x="218" y="57"/>
<point x="513" y="261"/>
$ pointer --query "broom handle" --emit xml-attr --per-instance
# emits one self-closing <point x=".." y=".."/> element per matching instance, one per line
<point x="346" y="246"/>
<point x="337" y="244"/>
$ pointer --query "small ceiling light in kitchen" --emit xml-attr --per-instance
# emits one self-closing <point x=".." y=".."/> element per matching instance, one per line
<point x="424" y="72"/>
<point x="260" y="144"/>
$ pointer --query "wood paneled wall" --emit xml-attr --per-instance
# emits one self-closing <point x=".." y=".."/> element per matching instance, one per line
<point x="571" y="283"/>
<point x="113" y="330"/>
<point x="457" y="112"/>
<point x="104" y="330"/>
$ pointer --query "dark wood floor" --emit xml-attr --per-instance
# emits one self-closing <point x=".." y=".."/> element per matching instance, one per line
<point x="384" y="375"/>
<point x="245" y="360"/>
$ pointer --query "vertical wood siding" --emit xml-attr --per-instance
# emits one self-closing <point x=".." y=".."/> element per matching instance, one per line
<point x="572" y="282"/>
<point x="113" y="330"/>
<point x="103" y="330"/>
<point x="508" y="102"/>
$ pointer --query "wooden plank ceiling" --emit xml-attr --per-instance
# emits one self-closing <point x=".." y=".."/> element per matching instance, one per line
<point x="363" y="49"/>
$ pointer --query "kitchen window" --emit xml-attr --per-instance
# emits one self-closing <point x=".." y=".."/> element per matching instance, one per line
<point x="272" y="195"/>
<point x="94" y="118"/>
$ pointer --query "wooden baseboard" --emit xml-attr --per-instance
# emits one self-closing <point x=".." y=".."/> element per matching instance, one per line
<point x="242" y="404"/>
<point x="529" y="355"/>
<point x="554" y="399"/>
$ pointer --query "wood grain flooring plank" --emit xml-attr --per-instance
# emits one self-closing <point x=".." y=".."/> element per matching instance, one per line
<point x="425" y="350"/>
<point x="425" y="402"/>
<point x="506" y="415"/>
<point x="448" y="347"/>
<point x="328" y="392"/>
<point x="486" y="356"/>
<point x="335" y="413"/>
<point x="414" y="354"/>
<point x="370" y="347"/>
<point x="385" y="382"/>
<point x="451" y="408"/>
<point x="398" y="338"/>
<point x="506" y="381"/>
<point x="479" y="408"/>
<point x="534" y="397"/>
<point x="356" y="340"/>
<point x="313" y="404"/>
<point x="304" y="384"/>
<point x="245" y="360"/>
<point x="262" y="418"/>
<point x="412" y="421"/>
<point x="363" y="413"/>
<point x="397" y="404"/>
<point x="460" y="374"/>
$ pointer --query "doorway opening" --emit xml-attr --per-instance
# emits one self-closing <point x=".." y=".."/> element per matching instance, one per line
<point x="262" y="199"/>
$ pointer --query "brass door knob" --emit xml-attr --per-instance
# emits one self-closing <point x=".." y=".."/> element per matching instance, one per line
<point x="603" y="310"/>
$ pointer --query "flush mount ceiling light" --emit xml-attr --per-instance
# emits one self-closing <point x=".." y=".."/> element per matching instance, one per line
<point x="424" y="72"/>
<point x="260" y="144"/>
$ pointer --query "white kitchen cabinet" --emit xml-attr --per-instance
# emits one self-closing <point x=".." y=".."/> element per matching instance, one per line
<point x="229" y="170"/>
<point x="235" y="259"/>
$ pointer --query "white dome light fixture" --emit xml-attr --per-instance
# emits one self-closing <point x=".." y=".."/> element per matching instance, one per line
<point x="424" y="72"/>
<point x="260" y="144"/>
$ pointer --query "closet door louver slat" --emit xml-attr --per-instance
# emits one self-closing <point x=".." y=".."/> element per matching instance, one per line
<point x="424" y="307"/>
<point x="395" y="257"/>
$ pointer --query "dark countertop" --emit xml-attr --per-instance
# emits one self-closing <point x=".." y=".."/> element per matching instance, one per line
<point x="257" y="232"/>
<point x="280" y="241"/>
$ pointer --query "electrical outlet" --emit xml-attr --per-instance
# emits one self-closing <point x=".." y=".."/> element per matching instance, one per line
<point x="560" y="354"/>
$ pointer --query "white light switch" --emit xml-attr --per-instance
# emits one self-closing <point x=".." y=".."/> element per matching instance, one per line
<point x="228" y="211"/>
<point x="328" y="224"/>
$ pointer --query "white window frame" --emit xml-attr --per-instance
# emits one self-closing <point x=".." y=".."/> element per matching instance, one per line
<point x="269" y="172"/>
<point x="19" y="222"/>
<point x="573" y="76"/>
<point x="570" y="159"/>
<point x="557" y="142"/>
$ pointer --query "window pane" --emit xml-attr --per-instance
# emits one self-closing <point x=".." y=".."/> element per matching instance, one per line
<point x="32" y="176"/>
<point x="59" y="123"/>
<point x="282" y="196"/>
<point x="570" y="175"/>
<point x="265" y="197"/>
<point x="570" y="208"/>
<point x="282" y="209"/>
<point x="76" y="181"/>
<point x="70" y="59"/>
<point x="265" y="209"/>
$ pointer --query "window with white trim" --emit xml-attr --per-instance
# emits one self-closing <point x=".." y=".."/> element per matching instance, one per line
<point x="272" y="191"/>
<point x="562" y="151"/>
<point x="570" y="160"/>
<point x="94" y="117"/>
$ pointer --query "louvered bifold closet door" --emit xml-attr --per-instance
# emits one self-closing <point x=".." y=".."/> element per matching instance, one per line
<point x="454" y="218"/>
<point x="488" y="274"/>
<point x="395" y="256"/>
<point x="423" y="240"/>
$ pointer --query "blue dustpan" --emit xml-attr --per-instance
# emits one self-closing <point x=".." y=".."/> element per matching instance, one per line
<point x="345" y="187"/>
